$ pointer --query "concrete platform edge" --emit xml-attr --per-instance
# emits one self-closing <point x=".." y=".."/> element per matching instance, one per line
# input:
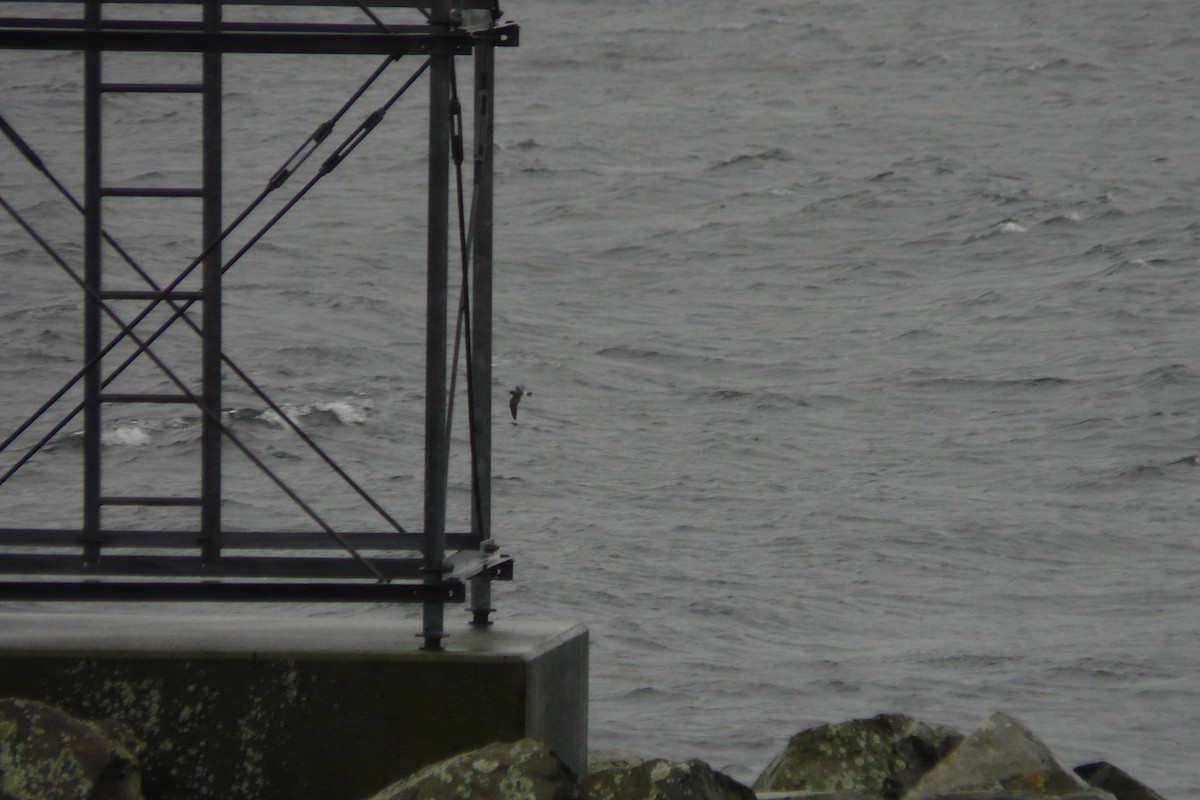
<point x="262" y="705"/>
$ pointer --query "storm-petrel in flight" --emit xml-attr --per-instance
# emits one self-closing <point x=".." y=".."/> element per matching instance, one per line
<point x="517" y="394"/>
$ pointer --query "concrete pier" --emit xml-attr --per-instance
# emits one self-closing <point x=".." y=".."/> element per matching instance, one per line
<point x="283" y="702"/>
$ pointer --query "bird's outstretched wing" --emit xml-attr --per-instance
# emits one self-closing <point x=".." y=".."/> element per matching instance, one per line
<point x="516" y="394"/>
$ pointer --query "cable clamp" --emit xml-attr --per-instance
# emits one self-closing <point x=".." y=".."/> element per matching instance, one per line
<point x="373" y="119"/>
<point x="322" y="132"/>
<point x="278" y="179"/>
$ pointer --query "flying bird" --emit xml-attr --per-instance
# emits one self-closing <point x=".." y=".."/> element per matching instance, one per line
<point x="517" y="394"/>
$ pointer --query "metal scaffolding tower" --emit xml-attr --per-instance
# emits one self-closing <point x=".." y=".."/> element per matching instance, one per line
<point x="100" y="563"/>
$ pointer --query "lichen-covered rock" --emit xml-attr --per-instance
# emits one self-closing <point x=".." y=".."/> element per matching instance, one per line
<point x="658" y="779"/>
<point x="1001" y="755"/>
<point x="1119" y="783"/>
<point x="46" y="754"/>
<point x="600" y="760"/>
<point x="522" y="770"/>
<point x="883" y="756"/>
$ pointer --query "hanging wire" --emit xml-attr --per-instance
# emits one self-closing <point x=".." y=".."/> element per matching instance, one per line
<point x="38" y="164"/>
<point x="343" y="151"/>
<point x="299" y="156"/>
<point x="347" y="146"/>
<point x="462" y="329"/>
<point x="179" y="384"/>
<point x="328" y="166"/>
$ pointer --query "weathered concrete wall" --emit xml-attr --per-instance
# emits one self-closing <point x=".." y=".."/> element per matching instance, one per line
<point x="556" y="704"/>
<point x="258" y="706"/>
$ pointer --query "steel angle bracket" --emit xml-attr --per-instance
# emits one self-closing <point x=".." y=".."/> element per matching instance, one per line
<point x="506" y="35"/>
<point x="467" y="564"/>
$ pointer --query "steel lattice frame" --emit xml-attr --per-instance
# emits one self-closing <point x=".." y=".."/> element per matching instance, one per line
<point x="89" y="563"/>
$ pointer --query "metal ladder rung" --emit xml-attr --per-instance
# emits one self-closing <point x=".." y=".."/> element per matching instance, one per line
<point x="157" y="88"/>
<point x="145" y="398"/>
<point x="132" y="191"/>
<point x="146" y="294"/>
<point x="150" y="501"/>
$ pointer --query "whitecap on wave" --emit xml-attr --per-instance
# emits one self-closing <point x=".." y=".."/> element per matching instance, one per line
<point x="139" y="433"/>
<point x="135" y="434"/>
<point x="345" y="412"/>
<point x="1004" y="226"/>
<point x="126" y="434"/>
<point x="1009" y="226"/>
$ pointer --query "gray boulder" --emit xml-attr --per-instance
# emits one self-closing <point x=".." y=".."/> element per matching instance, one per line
<point x="1105" y="776"/>
<point x="658" y="779"/>
<point x="47" y="754"/>
<point x="883" y="756"/>
<point x="1091" y="794"/>
<point x="1002" y="755"/>
<point x="522" y="770"/>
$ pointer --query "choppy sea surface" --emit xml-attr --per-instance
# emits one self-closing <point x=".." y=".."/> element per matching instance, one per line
<point x="861" y="339"/>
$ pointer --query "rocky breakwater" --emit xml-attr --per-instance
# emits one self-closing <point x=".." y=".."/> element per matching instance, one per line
<point x="46" y="754"/>
<point x="895" y="757"/>
<point x="887" y="757"/>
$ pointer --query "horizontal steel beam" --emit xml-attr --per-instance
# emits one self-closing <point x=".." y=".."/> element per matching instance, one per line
<point x="153" y="88"/>
<point x="193" y="566"/>
<point x="234" y="591"/>
<point x="188" y="42"/>
<point x="149" y="296"/>
<point x="161" y="502"/>
<point x="191" y="26"/>
<point x="146" y="398"/>
<point x="234" y="540"/>
<point x="151" y="191"/>
<point x="466" y="4"/>
<point x="462" y="567"/>
<point x="246" y="38"/>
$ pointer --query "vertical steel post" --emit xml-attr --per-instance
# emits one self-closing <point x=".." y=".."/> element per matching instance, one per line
<point x="210" y="448"/>
<point x="481" y="319"/>
<point x="436" y="462"/>
<point x="92" y="256"/>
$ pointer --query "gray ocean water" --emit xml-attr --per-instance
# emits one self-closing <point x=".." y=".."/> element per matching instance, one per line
<point x="861" y="340"/>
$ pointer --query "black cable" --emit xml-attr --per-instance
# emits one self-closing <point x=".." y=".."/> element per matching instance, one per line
<point x="331" y="163"/>
<point x="324" y="129"/>
<point x="179" y="384"/>
<point x="463" y="319"/>
<point x="348" y="145"/>
<point x="304" y="437"/>
<point x="378" y="22"/>
<point x="277" y="180"/>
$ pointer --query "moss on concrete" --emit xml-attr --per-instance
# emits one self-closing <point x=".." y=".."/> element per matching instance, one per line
<point x="248" y="726"/>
